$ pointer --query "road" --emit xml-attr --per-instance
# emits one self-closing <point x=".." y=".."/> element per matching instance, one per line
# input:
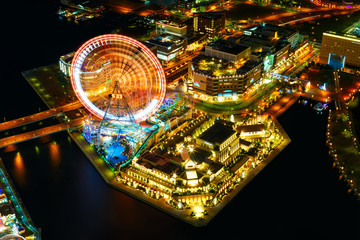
<point x="40" y="132"/>
<point x="39" y="116"/>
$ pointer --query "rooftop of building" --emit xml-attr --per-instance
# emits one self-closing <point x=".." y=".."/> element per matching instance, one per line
<point x="153" y="160"/>
<point x="228" y="47"/>
<point x="342" y="35"/>
<point x="200" y="155"/>
<point x="173" y="23"/>
<point x="67" y="57"/>
<point x="257" y="44"/>
<point x="166" y="40"/>
<point x="217" y="133"/>
<point x="269" y="30"/>
<point x="240" y="163"/>
<point x="209" y="15"/>
<point x="214" y="67"/>
<point x="251" y="128"/>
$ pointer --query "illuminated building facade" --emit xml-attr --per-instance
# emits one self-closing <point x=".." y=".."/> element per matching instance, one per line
<point x="168" y="46"/>
<point x="345" y="46"/>
<point x="65" y="63"/>
<point x="218" y="80"/>
<point x="195" y="173"/>
<point x="251" y="131"/>
<point x="173" y="28"/>
<point x="211" y="23"/>
<point x="221" y="139"/>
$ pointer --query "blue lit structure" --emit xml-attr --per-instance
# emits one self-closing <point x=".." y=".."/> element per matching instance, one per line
<point x="336" y="61"/>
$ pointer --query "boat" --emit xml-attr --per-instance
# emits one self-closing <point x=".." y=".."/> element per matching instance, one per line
<point x="320" y="106"/>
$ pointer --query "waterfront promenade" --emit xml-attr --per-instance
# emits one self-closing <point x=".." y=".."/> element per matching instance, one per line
<point x="344" y="146"/>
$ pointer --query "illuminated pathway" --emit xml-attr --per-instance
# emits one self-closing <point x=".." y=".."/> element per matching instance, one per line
<point x="282" y="104"/>
<point x="40" y="132"/>
<point x="38" y="116"/>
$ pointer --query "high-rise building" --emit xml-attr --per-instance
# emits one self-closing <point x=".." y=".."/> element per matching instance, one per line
<point x="211" y="23"/>
<point x="340" y="46"/>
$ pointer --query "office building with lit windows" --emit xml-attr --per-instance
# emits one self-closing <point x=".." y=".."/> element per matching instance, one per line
<point x="345" y="46"/>
<point x="211" y="23"/>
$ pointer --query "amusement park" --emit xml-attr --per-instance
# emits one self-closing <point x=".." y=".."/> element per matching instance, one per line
<point x="155" y="140"/>
<point x="118" y="80"/>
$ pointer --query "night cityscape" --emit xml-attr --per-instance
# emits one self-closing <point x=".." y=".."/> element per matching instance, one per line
<point x="180" y="119"/>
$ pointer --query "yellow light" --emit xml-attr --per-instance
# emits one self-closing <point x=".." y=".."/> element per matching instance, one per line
<point x="198" y="210"/>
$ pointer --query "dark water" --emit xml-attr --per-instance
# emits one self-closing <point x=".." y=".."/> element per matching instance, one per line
<point x="297" y="196"/>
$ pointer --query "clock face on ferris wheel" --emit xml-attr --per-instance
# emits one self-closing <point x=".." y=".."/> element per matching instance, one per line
<point x="114" y="61"/>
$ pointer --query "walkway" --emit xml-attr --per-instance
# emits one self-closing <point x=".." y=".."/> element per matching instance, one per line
<point x="38" y="116"/>
<point x="40" y="132"/>
<point x="282" y="104"/>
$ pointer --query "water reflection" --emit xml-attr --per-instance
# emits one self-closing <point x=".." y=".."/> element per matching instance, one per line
<point x="10" y="148"/>
<point x="37" y="150"/>
<point x="19" y="169"/>
<point x="54" y="151"/>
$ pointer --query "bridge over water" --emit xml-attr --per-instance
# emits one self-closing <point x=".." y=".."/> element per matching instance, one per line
<point x="38" y="117"/>
<point x="40" y="132"/>
<point x="288" y="79"/>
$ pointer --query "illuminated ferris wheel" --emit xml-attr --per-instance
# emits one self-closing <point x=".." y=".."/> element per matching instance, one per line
<point x="118" y="77"/>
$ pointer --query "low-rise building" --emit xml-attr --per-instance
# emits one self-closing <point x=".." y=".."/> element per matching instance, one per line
<point x="221" y="139"/>
<point x="173" y="28"/>
<point x="65" y="63"/>
<point x="219" y="80"/>
<point x="168" y="46"/>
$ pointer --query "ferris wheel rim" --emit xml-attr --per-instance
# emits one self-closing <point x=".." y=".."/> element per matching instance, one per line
<point x="79" y="58"/>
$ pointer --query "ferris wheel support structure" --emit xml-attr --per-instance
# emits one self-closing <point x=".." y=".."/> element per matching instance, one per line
<point x="117" y="99"/>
